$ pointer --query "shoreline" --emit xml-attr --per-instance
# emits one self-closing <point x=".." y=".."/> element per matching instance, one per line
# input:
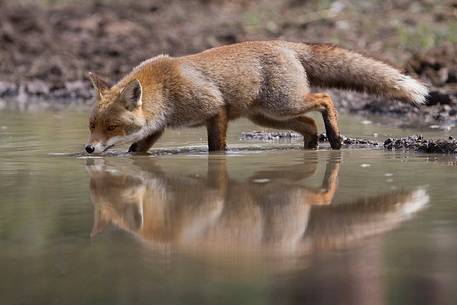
<point x="416" y="143"/>
<point x="440" y="111"/>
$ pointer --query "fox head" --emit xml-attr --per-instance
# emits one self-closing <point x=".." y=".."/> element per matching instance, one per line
<point x="117" y="116"/>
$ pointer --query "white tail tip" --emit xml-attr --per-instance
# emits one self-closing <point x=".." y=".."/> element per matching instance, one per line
<point x="414" y="90"/>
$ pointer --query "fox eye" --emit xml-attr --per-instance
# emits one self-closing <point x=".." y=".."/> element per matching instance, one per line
<point x="112" y="127"/>
<point x="92" y="125"/>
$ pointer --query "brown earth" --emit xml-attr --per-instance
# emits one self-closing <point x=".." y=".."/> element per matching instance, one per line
<point x="47" y="47"/>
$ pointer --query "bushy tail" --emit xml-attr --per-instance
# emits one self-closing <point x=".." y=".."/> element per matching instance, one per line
<point x="329" y="66"/>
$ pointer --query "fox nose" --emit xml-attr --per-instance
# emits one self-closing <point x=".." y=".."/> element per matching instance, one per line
<point x="89" y="148"/>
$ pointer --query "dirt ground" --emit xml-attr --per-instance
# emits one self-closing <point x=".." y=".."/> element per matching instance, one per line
<point x="47" y="47"/>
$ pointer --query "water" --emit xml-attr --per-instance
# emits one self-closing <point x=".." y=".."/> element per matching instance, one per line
<point x="254" y="226"/>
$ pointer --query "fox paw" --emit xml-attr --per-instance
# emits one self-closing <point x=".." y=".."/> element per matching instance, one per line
<point x="138" y="149"/>
<point x="311" y="143"/>
<point x="133" y="148"/>
<point x="335" y="140"/>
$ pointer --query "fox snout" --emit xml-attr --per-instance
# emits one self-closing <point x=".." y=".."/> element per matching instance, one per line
<point x="96" y="148"/>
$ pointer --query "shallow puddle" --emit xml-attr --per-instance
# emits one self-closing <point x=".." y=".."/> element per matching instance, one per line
<point x="264" y="223"/>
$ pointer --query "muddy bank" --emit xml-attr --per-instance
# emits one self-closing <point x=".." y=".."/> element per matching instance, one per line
<point x="290" y="136"/>
<point x="47" y="49"/>
<point x="415" y="143"/>
<point x="419" y="144"/>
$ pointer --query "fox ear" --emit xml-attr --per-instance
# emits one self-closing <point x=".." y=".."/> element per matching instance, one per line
<point x="131" y="95"/>
<point x="99" y="84"/>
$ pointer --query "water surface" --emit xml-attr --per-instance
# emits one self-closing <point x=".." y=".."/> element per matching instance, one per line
<point x="255" y="226"/>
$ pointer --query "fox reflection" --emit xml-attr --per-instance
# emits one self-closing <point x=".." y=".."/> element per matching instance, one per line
<point x="272" y="210"/>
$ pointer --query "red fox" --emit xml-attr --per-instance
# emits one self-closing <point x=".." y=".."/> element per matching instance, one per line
<point x="267" y="82"/>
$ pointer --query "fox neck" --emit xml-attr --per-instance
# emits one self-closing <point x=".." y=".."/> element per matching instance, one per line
<point x="155" y="111"/>
<point x="155" y="75"/>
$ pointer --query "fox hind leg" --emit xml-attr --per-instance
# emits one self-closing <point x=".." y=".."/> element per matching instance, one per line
<point x="323" y="103"/>
<point x="310" y="132"/>
<point x="302" y="124"/>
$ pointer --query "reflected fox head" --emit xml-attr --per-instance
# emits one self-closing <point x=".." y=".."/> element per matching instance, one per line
<point x="117" y="116"/>
<point x="118" y="200"/>
<point x="145" y="204"/>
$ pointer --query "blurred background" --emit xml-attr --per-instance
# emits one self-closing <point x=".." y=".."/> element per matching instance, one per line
<point x="57" y="41"/>
<point x="48" y="46"/>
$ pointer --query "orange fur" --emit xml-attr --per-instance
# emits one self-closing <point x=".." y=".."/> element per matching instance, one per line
<point x="265" y="81"/>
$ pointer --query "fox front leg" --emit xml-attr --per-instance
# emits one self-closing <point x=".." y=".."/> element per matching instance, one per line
<point x="143" y="145"/>
<point x="217" y="131"/>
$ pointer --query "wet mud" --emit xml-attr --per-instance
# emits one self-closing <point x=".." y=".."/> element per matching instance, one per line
<point x="416" y="143"/>
<point x="288" y="136"/>
<point x="420" y="144"/>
